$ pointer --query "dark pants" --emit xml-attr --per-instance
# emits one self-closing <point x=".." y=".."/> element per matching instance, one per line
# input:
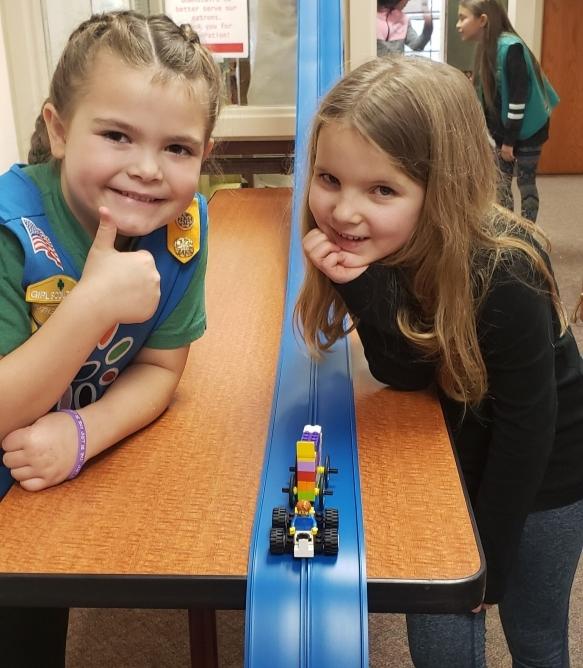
<point x="535" y="609"/>
<point x="524" y="166"/>
<point x="33" y="637"/>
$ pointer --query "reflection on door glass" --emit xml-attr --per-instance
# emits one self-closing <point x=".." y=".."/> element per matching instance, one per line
<point x="264" y="73"/>
<point x="272" y="68"/>
<point x="407" y="26"/>
<point x="267" y="76"/>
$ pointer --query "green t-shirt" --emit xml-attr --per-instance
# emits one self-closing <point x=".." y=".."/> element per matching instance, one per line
<point x="185" y="324"/>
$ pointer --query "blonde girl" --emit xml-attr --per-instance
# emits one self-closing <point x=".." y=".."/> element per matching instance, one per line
<point x="516" y="97"/>
<point x="103" y="256"/>
<point x="445" y="288"/>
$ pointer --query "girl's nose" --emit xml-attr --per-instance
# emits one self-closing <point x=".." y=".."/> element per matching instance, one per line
<point x="345" y="212"/>
<point x="145" y="167"/>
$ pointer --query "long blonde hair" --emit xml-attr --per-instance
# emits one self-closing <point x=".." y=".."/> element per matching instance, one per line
<point x="426" y="117"/>
<point x="487" y="48"/>
<point x="139" y="41"/>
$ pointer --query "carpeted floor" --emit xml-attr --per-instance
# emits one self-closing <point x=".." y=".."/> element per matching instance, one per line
<point x="159" y="639"/>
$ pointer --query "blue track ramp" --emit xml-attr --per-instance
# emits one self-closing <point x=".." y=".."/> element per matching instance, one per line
<point x="309" y="612"/>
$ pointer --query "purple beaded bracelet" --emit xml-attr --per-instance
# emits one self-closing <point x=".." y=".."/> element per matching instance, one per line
<point x="81" y="442"/>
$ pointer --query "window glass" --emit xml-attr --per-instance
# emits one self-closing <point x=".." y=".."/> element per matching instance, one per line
<point x="267" y="76"/>
<point x="402" y="29"/>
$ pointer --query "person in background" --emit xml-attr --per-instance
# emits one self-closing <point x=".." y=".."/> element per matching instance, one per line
<point x="448" y="289"/>
<point x="103" y="250"/>
<point x="394" y="29"/>
<point x="516" y="97"/>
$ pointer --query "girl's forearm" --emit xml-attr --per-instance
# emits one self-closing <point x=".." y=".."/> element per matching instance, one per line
<point x="136" y="398"/>
<point x="34" y="376"/>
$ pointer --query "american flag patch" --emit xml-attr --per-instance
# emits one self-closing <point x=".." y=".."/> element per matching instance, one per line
<point x="40" y="242"/>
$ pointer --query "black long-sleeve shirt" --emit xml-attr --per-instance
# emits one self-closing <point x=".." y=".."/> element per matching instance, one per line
<point x="521" y="449"/>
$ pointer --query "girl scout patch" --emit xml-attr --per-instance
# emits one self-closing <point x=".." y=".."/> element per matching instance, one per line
<point x="46" y="295"/>
<point x="183" y="234"/>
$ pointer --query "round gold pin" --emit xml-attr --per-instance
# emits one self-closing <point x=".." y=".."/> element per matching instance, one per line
<point x="185" y="221"/>
<point x="184" y="247"/>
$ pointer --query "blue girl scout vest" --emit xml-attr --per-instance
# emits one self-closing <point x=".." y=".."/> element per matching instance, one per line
<point x="49" y="275"/>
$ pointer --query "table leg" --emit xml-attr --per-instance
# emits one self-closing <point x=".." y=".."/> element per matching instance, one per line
<point x="202" y="632"/>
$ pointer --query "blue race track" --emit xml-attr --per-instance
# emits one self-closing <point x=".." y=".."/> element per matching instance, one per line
<point x="309" y="612"/>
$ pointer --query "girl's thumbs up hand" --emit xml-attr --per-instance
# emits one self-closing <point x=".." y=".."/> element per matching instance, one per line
<point x="125" y="287"/>
<point x="106" y="232"/>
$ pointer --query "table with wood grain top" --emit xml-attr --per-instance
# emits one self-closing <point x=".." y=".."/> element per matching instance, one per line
<point x="164" y="519"/>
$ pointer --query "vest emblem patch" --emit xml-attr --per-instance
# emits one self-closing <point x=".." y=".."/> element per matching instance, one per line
<point x="46" y="295"/>
<point x="40" y="242"/>
<point x="183" y="234"/>
<point x="50" y="291"/>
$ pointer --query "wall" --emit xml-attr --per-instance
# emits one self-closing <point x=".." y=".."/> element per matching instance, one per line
<point x="527" y="18"/>
<point x="8" y="147"/>
<point x="27" y="64"/>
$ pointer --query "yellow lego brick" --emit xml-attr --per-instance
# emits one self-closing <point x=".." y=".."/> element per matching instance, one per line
<point x="305" y="450"/>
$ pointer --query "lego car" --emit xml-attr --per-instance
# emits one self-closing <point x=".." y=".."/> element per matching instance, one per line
<point x="306" y="528"/>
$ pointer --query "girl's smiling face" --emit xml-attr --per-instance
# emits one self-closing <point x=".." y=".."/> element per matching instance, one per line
<point x="359" y="198"/>
<point x="133" y="144"/>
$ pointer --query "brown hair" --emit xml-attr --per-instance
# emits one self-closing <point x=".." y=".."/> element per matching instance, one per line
<point x="387" y="5"/>
<point x="426" y="117"/>
<point x="139" y="41"/>
<point x="487" y="48"/>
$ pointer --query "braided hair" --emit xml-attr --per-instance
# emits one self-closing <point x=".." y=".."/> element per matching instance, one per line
<point x="139" y="41"/>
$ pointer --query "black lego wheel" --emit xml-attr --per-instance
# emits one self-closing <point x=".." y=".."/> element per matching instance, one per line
<point x="331" y="518"/>
<point x="331" y="542"/>
<point x="279" y="518"/>
<point x="277" y="541"/>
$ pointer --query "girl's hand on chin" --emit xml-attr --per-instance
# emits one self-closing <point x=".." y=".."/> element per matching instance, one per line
<point x="338" y="265"/>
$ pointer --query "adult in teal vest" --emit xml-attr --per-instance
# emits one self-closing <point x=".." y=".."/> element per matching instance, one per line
<point x="516" y="96"/>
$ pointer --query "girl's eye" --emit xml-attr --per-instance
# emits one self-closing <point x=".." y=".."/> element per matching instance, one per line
<point x="118" y="137"/>
<point x="328" y="178"/>
<point x="179" y="149"/>
<point x="383" y="191"/>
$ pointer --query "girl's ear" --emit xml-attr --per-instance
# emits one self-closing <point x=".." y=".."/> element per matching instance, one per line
<point x="55" y="130"/>
<point x="483" y="20"/>
<point x="208" y="148"/>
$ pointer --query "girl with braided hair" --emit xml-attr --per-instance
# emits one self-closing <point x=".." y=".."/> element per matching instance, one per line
<point x="102" y="257"/>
